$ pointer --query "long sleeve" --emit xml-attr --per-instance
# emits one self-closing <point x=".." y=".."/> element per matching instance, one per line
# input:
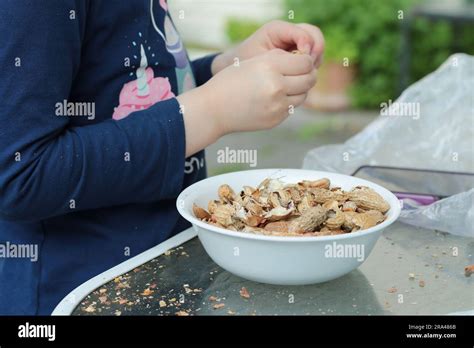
<point x="47" y="166"/>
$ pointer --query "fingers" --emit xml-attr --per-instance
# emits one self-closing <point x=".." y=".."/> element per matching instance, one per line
<point x="299" y="84"/>
<point x="287" y="35"/>
<point x="290" y="64"/>
<point x="296" y="100"/>
<point x="318" y="42"/>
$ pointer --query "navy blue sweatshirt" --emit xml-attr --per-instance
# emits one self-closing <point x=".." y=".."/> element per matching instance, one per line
<point x="92" y="142"/>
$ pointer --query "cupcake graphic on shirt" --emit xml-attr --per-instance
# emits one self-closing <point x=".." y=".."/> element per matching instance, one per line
<point x="143" y="92"/>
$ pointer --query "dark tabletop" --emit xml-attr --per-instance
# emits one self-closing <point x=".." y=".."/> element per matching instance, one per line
<point x="410" y="271"/>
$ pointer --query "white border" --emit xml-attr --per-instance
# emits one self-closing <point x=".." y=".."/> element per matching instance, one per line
<point x="70" y="302"/>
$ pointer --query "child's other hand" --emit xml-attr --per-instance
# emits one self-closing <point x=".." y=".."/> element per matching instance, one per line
<point x="276" y="34"/>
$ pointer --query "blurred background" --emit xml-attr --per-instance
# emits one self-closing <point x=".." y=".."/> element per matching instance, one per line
<point x="374" y="49"/>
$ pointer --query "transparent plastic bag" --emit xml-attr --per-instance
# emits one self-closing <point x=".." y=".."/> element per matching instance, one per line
<point x="430" y="126"/>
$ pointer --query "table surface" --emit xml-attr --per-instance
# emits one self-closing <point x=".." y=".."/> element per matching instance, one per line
<point x="186" y="281"/>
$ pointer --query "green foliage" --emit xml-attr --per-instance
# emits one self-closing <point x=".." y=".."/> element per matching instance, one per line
<point x="338" y="47"/>
<point x="238" y="30"/>
<point x="368" y="32"/>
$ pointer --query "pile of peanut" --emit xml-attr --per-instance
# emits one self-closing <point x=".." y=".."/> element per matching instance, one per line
<point x="308" y="208"/>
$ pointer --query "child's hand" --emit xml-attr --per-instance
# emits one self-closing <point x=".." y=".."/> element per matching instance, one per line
<point x="254" y="95"/>
<point x="257" y="94"/>
<point x="276" y="34"/>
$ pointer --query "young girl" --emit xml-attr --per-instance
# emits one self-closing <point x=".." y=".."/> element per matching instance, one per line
<point x="103" y="122"/>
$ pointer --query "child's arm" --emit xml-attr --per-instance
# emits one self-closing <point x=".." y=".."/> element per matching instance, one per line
<point x="48" y="167"/>
<point x="254" y="95"/>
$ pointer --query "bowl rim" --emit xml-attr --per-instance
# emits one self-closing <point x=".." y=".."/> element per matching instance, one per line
<point x="196" y="222"/>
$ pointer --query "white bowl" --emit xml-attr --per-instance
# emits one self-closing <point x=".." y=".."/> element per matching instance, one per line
<point x="279" y="259"/>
